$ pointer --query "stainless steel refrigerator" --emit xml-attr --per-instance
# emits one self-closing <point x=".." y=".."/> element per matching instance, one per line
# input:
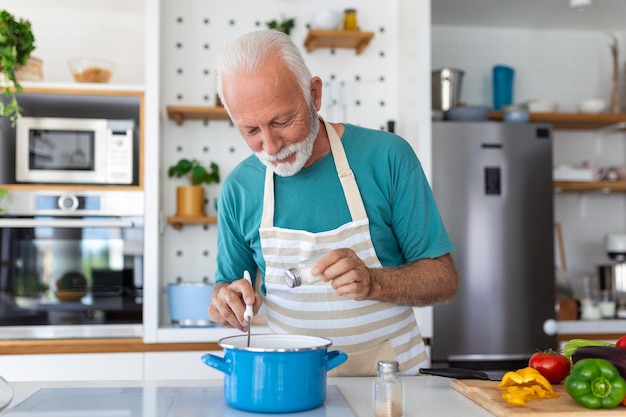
<point x="493" y="185"/>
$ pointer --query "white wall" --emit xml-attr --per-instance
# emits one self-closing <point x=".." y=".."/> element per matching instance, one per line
<point x="567" y="66"/>
<point x="66" y="29"/>
<point x="193" y="32"/>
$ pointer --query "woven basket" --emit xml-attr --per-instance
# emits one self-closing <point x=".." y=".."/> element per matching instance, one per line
<point x="32" y="71"/>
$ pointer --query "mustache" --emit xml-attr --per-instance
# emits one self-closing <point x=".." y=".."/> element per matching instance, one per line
<point x="282" y="154"/>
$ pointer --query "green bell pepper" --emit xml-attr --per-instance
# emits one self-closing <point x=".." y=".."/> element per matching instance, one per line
<point x="596" y="383"/>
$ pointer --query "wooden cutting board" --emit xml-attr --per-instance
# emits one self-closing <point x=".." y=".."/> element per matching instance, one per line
<point x="489" y="396"/>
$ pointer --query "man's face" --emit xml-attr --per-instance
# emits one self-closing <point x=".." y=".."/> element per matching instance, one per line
<point x="272" y="115"/>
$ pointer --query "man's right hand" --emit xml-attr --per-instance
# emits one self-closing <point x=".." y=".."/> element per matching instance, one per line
<point x="229" y="303"/>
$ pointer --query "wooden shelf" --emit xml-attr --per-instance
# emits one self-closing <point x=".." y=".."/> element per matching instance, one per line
<point x="571" y="121"/>
<point x="602" y="186"/>
<point x="319" y="38"/>
<point x="177" y="222"/>
<point x="181" y="113"/>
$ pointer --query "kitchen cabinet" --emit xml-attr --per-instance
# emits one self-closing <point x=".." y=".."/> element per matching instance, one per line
<point x="40" y="98"/>
<point x="72" y="367"/>
<point x="352" y="39"/>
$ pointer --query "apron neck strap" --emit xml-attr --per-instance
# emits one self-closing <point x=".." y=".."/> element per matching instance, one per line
<point x="346" y="177"/>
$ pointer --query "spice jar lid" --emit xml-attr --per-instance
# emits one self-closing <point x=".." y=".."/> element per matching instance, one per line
<point x="388" y="366"/>
<point x="293" y="278"/>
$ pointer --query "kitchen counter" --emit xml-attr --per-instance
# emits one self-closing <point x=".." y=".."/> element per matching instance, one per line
<point x="424" y="395"/>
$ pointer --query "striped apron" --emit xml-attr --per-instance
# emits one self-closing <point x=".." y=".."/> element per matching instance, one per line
<point x="368" y="331"/>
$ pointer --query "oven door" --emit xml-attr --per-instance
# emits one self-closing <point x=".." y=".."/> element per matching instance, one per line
<point x="60" y="271"/>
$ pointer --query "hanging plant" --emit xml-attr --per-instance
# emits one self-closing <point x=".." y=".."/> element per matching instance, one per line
<point x="16" y="44"/>
<point x="2" y="194"/>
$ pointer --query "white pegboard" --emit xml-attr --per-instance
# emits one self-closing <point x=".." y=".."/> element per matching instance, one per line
<point x="193" y="32"/>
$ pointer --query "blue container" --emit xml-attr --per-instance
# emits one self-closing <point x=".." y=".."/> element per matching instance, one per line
<point x="502" y="86"/>
<point x="277" y="373"/>
<point x="189" y="303"/>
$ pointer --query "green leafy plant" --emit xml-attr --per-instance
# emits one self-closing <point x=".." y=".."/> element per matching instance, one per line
<point x="195" y="172"/>
<point x="284" y="25"/>
<point x="28" y="286"/>
<point x="16" y="44"/>
<point x="2" y="194"/>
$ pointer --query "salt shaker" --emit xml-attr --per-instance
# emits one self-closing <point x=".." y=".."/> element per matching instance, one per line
<point x="388" y="391"/>
<point x="301" y="273"/>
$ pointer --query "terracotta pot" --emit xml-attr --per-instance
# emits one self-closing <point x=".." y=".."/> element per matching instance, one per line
<point x="190" y="201"/>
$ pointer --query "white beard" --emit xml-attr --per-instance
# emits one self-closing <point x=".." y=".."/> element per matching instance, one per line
<point x="303" y="151"/>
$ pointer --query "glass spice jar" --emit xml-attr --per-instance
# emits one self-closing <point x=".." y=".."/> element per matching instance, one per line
<point x="301" y="273"/>
<point x="388" y="391"/>
<point x="349" y="20"/>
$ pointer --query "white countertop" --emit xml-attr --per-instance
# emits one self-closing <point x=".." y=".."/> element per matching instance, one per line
<point x="424" y="395"/>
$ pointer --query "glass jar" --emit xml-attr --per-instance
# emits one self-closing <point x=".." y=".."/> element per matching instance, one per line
<point x="388" y="391"/>
<point x="349" y="20"/>
<point x="301" y="273"/>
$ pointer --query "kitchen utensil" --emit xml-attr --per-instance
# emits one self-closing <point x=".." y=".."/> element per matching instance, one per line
<point x="502" y="78"/>
<point x="189" y="303"/>
<point x="468" y="113"/>
<point x="446" y="88"/>
<point x="613" y="279"/>
<point x="249" y="313"/>
<point x="278" y="373"/>
<point x="563" y="286"/>
<point x="488" y="395"/>
<point x="461" y="373"/>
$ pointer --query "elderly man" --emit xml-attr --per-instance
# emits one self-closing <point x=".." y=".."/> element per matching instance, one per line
<point x="358" y="196"/>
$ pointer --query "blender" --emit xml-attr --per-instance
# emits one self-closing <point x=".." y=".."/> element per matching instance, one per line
<point x="613" y="275"/>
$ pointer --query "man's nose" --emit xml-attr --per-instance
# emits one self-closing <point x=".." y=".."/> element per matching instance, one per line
<point x="272" y="143"/>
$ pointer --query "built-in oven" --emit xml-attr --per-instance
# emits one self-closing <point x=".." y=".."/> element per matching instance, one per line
<point x="71" y="264"/>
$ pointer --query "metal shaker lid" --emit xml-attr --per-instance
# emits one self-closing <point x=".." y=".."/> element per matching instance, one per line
<point x="293" y="278"/>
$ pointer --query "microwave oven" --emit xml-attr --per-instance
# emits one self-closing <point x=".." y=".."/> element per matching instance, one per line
<point x="74" y="151"/>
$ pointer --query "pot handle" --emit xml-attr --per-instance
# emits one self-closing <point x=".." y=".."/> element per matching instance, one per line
<point x="335" y="358"/>
<point x="218" y="363"/>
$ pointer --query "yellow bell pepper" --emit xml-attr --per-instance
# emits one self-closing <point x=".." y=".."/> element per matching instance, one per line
<point x="525" y="384"/>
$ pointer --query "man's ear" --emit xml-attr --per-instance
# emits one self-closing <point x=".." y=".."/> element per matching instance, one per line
<point x="316" y="92"/>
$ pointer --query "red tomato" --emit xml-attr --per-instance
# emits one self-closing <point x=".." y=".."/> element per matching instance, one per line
<point x="553" y="366"/>
<point x="621" y="342"/>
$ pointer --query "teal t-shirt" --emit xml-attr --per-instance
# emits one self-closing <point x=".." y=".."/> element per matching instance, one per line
<point x="405" y="224"/>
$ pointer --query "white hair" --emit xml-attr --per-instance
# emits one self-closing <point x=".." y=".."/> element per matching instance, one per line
<point x="247" y="53"/>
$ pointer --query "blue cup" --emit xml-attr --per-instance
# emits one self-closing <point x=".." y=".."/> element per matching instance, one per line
<point x="502" y="86"/>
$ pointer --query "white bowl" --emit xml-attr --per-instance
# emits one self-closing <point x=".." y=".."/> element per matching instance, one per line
<point x="325" y="19"/>
<point x="542" y="105"/>
<point x="593" y="105"/>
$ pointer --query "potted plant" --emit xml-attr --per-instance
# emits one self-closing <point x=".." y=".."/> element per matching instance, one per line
<point x="27" y="290"/>
<point x="190" y="198"/>
<point x="283" y="25"/>
<point x="16" y="44"/>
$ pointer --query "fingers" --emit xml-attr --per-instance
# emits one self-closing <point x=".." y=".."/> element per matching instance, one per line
<point x="227" y="305"/>
<point x="347" y="273"/>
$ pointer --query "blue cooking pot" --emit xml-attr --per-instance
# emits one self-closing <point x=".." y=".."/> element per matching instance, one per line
<point x="278" y="373"/>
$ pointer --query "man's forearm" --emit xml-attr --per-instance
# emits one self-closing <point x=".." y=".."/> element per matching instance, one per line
<point x="423" y="283"/>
